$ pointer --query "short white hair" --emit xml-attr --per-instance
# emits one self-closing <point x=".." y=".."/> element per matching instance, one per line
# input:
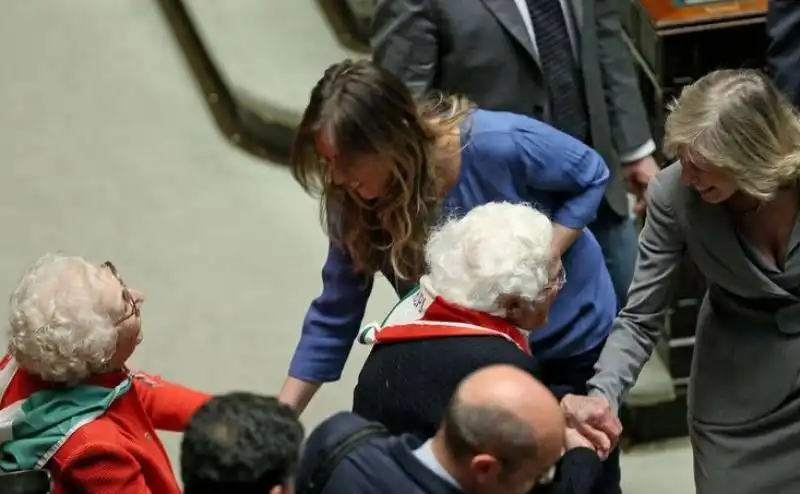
<point x="496" y="250"/>
<point x="60" y="326"/>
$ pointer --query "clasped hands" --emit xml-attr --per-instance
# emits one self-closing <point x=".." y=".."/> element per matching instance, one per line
<point x="592" y="419"/>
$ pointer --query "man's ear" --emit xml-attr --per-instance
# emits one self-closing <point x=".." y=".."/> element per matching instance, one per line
<point x="278" y="489"/>
<point x="485" y="468"/>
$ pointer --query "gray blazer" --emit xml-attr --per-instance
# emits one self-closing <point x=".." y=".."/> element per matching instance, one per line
<point x="744" y="393"/>
<point x="481" y="49"/>
<point x="747" y="349"/>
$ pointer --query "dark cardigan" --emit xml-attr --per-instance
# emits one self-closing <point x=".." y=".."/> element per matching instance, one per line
<point x="406" y="386"/>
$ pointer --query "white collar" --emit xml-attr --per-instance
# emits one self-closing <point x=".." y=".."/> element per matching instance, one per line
<point x="425" y="456"/>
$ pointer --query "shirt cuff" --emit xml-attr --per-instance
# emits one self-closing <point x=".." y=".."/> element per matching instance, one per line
<point x="642" y="151"/>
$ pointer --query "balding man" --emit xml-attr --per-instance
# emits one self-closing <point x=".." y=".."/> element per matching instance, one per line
<point x="502" y="432"/>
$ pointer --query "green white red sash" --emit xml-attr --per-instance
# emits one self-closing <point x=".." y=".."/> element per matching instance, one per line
<point x="422" y="314"/>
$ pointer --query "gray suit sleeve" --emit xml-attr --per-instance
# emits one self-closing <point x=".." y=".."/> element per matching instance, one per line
<point x="404" y="41"/>
<point x="630" y="128"/>
<point x="639" y="325"/>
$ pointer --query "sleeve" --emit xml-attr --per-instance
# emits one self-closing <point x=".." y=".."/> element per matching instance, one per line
<point x="783" y="54"/>
<point x="169" y="406"/>
<point x="332" y="321"/>
<point x="103" y="468"/>
<point x="404" y="42"/>
<point x="639" y="325"/>
<point x="630" y="129"/>
<point x="555" y="162"/>
<point x="577" y="472"/>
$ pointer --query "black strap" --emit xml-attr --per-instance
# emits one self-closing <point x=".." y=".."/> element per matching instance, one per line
<point x="330" y="458"/>
<point x="25" y="482"/>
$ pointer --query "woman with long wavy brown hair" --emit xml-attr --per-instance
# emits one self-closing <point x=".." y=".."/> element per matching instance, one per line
<point x="386" y="168"/>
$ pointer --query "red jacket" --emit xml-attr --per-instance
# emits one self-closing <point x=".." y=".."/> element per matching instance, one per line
<point x="119" y="452"/>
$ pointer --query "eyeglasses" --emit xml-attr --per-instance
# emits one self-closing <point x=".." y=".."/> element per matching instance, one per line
<point x="132" y="306"/>
<point x="557" y="281"/>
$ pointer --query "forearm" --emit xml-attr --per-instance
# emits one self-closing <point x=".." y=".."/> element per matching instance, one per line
<point x="298" y="393"/>
<point x="170" y="406"/>
<point x="625" y="353"/>
<point x="563" y="238"/>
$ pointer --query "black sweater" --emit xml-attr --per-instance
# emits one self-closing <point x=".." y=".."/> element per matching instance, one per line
<point x="406" y="386"/>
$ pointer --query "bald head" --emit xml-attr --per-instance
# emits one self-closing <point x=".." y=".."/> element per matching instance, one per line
<point x="504" y="411"/>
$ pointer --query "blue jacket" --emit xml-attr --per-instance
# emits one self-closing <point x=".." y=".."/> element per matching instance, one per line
<point x="383" y="465"/>
<point x="387" y="465"/>
<point x="506" y="157"/>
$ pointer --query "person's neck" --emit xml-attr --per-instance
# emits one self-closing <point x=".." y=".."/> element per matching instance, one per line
<point x="743" y="204"/>
<point x="446" y="459"/>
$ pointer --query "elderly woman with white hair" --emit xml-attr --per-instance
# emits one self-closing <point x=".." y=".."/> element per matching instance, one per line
<point x="68" y="403"/>
<point x="491" y="280"/>
<point x="731" y="204"/>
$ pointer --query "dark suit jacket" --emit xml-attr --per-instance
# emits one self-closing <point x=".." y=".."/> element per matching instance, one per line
<point x="783" y="56"/>
<point x="387" y="465"/>
<point x="406" y="387"/>
<point x="481" y="49"/>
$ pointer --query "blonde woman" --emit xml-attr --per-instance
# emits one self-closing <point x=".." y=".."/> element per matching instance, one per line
<point x="387" y="168"/>
<point x="731" y="203"/>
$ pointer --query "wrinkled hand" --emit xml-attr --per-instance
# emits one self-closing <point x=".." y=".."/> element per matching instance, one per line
<point x="594" y="419"/>
<point x="574" y="439"/>
<point x="637" y="176"/>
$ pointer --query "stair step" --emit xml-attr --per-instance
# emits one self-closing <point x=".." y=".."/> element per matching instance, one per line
<point x="654" y="385"/>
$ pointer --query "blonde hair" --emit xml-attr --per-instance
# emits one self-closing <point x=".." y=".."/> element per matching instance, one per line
<point x="363" y="109"/>
<point x="737" y="121"/>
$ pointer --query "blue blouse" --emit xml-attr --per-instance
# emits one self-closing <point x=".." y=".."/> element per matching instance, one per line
<point x="511" y="158"/>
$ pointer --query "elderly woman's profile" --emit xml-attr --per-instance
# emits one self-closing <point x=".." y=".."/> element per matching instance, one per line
<point x="68" y="402"/>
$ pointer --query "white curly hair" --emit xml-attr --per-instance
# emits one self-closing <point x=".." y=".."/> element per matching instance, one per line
<point x="496" y="250"/>
<point x="60" y="326"/>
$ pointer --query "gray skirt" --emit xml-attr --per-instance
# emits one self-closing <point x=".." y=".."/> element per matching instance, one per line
<point x="744" y="407"/>
<point x="758" y="457"/>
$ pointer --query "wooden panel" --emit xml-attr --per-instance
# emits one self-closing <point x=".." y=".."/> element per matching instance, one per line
<point x="669" y="13"/>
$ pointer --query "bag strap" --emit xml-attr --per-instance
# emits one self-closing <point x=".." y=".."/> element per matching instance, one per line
<point x="330" y="458"/>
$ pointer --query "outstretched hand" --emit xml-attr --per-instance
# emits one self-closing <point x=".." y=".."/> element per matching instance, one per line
<point x="594" y="419"/>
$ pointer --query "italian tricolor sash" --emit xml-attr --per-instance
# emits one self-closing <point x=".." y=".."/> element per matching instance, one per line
<point x="33" y="429"/>
<point x="422" y="314"/>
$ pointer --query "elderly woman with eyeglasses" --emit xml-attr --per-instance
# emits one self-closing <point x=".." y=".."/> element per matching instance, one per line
<point x="68" y="403"/>
<point x="491" y="280"/>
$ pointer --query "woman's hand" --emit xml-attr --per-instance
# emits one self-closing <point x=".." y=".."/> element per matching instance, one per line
<point x="574" y="439"/>
<point x="594" y="419"/>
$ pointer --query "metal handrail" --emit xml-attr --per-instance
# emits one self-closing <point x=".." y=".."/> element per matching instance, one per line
<point x="249" y="123"/>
